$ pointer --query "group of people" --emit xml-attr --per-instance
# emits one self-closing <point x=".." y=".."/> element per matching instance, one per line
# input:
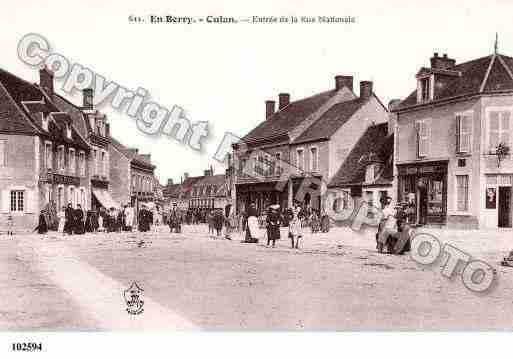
<point x="78" y="221"/>
<point x="394" y="229"/>
<point x="274" y="220"/>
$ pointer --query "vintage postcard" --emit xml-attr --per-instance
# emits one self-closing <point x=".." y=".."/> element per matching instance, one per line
<point x="293" y="167"/>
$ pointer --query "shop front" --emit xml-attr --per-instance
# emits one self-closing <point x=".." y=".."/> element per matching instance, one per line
<point x="262" y="195"/>
<point x="425" y="184"/>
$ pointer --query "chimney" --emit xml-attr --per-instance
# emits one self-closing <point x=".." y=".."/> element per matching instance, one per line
<point x="284" y="100"/>
<point x="269" y="109"/>
<point x="87" y="98"/>
<point x="442" y="63"/>
<point x="341" y="81"/>
<point x="207" y="173"/>
<point x="169" y="181"/>
<point x="185" y="175"/>
<point x="46" y="79"/>
<point x="365" y="89"/>
<point x="107" y="130"/>
<point x="212" y="169"/>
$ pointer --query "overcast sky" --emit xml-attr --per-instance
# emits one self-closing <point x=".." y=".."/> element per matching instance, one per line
<point x="223" y="73"/>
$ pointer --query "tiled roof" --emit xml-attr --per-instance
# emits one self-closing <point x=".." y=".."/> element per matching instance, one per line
<point x="375" y="144"/>
<point x="21" y="101"/>
<point x="490" y="74"/>
<point x="277" y="127"/>
<point x="74" y="112"/>
<point x="171" y="191"/>
<point x="131" y="154"/>
<point x="331" y="121"/>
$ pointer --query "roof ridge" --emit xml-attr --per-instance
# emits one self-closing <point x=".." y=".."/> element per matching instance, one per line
<point x="487" y="74"/>
<point x="503" y="63"/>
<point x="9" y="97"/>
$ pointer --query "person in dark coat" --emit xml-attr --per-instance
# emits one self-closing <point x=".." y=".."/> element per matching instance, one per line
<point x="42" y="227"/>
<point x="273" y="225"/>
<point x="144" y="219"/>
<point x="218" y="221"/>
<point x="78" y="222"/>
<point x="68" y="217"/>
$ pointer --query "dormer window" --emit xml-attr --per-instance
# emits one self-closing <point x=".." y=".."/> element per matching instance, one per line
<point x="371" y="172"/>
<point x="425" y="88"/>
<point x="68" y="131"/>
<point x="44" y="122"/>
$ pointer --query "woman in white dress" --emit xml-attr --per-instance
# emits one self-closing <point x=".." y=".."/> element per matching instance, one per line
<point x="295" y="231"/>
<point x="62" y="220"/>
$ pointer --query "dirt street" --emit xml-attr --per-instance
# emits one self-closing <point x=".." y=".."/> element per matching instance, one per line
<point x="192" y="281"/>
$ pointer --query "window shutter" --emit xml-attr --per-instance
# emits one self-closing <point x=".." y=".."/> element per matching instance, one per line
<point x="458" y="133"/>
<point x="423" y="138"/>
<point x="5" y="199"/>
<point x="417" y="139"/>
<point x="30" y="201"/>
<point x="505" y="128"/>
<point x="493" y="140"/>
<point x="467" y="133"/>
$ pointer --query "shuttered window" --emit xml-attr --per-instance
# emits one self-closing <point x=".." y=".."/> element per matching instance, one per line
<point x="499" y="127"/>
<point x="3" y="152"/>
<point x="422" y="138"/>
<point x="463" y="133"/>
<point x="462" y="193"/>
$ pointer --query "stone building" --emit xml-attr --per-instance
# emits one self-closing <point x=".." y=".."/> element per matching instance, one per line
<point x="133" y="176"/>
<point x="198" y="193"/>
<point x="453" y="140"/>
<point x="367" y="172"/>
<point x="43" y="156"/>
<point x="303" y="144"/>
<point x="94" y="127"/>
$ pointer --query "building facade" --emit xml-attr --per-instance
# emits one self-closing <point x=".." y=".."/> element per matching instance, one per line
<point x="453" y="136"/>
<point x="43" y="157"/>
<point x="133" y="175"/>
<point x="296" y="151"/>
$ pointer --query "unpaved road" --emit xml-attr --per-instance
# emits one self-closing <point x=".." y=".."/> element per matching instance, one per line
<point x="193" y="282"/>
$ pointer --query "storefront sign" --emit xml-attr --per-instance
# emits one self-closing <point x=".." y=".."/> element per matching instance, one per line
<point x="60" y="179"/>
<point x="415" y="169"/>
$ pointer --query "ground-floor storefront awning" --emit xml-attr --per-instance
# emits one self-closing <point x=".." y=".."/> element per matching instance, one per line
<point x="105" y="198"/>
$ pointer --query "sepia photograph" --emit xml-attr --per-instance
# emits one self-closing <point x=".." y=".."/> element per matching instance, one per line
<point x="214" y="176"/>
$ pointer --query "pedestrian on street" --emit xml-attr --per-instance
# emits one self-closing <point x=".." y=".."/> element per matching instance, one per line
<point x="10" y="224"/>
<point x="252" y="229"/>
<point x="42" y="227"/>
<point x="218" y="222"/>
<point x="228" y="221"/>
<point x="210" y="220"/>
<point x="295" y="230"/>
<point x="69" y="217"/>
<point x="129" y="217"/>
<point x="78" y="220"/>
<point x="273" y="224"/>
